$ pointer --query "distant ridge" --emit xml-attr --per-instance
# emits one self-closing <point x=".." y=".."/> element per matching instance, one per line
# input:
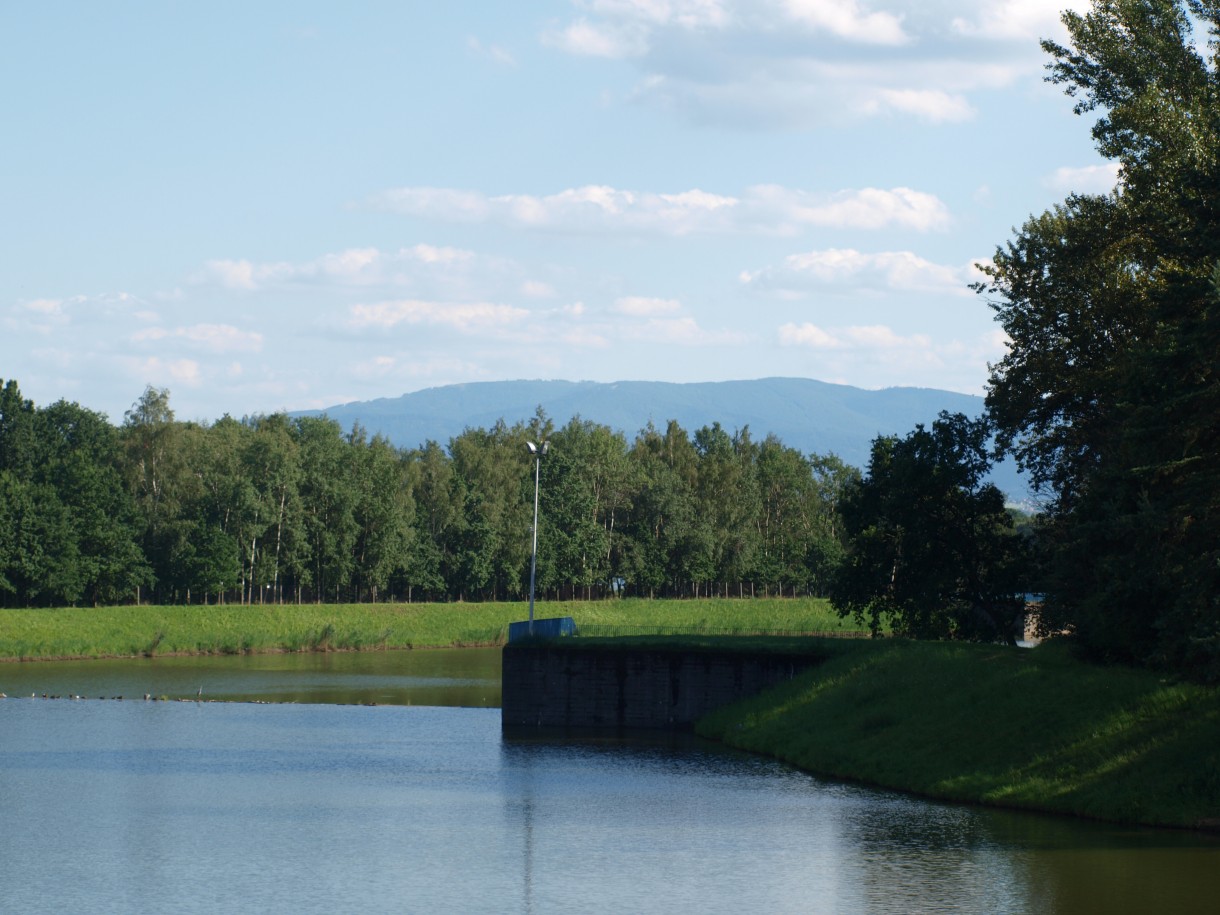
<point x="812" y="416"/>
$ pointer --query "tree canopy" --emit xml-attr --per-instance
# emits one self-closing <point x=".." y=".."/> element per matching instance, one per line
<point x="931" y="548"/>
<point x="1108" y="392"/>
<point x="274" y="508"/>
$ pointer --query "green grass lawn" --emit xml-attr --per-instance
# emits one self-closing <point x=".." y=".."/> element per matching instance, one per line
<point x="1021" y="728"/>
<point x="86" y="632"/>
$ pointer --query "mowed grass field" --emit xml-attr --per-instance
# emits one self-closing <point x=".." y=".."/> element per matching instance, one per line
<point x="132" y="631"/>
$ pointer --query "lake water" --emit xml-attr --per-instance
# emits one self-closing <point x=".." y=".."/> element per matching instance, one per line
<point x="139" y="806"/>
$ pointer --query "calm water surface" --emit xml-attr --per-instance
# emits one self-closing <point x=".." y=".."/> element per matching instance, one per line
<point x="465" y="676"/>
<point x="140" y="806"/>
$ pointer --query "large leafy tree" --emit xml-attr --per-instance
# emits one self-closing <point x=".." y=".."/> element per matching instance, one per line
<point x="931" y="547"/>
<point x="585" y="482"/>
<point x="82" y="464"/>
<point x="1108" y="391"/>
<point x="727" y="502"/>
<point x="661" y="520"/>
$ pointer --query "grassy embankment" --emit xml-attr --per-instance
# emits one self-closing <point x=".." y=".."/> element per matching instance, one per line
<point x="88" y="632"/>
<point x="1033" y="729"/>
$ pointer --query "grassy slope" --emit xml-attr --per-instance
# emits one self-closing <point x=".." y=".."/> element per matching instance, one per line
<point x="1021" y="728"/>
<point x="129" y="631"/>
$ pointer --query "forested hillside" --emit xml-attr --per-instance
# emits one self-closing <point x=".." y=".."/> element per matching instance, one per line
<point x="275" y="508"/>
<point x="815" y="417"/>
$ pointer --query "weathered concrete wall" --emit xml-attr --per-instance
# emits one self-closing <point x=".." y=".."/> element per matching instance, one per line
<point x="563" y="687"/>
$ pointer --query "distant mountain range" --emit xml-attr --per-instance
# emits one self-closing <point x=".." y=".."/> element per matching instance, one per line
<point x="812" y="416"/>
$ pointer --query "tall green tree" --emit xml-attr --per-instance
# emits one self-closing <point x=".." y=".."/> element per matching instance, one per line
<point x="1107" y="391"/>
<point x="584" y="491"/>
<point x="328" y="500"/>
<point x="727" y="503"/>
<point x="660" y="523"/>
<point x="931" y="547"/>
<point x="82" y="464"/>
<point x="384" y="513"/>
<point x="439" y="522"/>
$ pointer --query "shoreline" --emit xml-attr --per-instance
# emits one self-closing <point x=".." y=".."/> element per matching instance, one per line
<point x="1037" y="731"/>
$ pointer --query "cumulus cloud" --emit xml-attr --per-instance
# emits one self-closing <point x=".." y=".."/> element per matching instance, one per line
<point x="218" y="338"/>
<point x="640" y="305"/>
<point x="537" y="289"/>
<point x="411" y="367"/>
<point x="467" y="318"/>
<point x="1009" y="20"/>
<point x="932" y="105"/>
<point x="597" y="39"/>
<point x="760" y="209"/>
<point x="157" y="371"/>
<point x="680" y="331"/>
<point x="46" y="315"/>
<point x="1089" y="179"/>
<point x="624" y="28"/>
<point x="352" y="267"/>
<point x="44" y="306"/>
<point x="880" y="352"/>
<point x="849" y="269"/>
<point x="846" y="19"/>
<point x="801" y="63"/>
<point x="492" y="52"/>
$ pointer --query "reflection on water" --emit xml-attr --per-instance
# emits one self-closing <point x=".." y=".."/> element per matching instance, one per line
<point x="164" y="807"/>
<point x="463" y="677"/>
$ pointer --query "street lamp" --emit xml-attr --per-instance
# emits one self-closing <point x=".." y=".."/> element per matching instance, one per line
<point x="537" y="451"/>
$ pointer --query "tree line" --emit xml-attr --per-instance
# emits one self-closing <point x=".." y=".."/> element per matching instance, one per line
<point x="279" y="508"/>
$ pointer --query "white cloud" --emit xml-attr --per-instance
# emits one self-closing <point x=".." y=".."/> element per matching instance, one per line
<point x="157" y="371"/>
<point x="48" y="307"/>
<point x="243" y="274"/>
<point x="800" y="63"/>
<point x="468" y="318"/>
<point x="639" y="305"/>
<point x="597" y="40"/>
<point x="860" y="350"/>
<point x="849" y="269"/>
<point x="536" y="289"/>
<point x="430" y="254"/>
<point x="623" y="28"/>
<point x="584" y="338"/>
<point x="931" y="105"/>
<point x="219" y="338"/>
<point x="1090" y="179"/>
<point x="684" y="331"/>
<point x="761" y="209"/>
<point x="845" y="19"/>
<point x="492" y="52"/>
<point x="690" y="14"/>
<point x="352" y="267"/>
<point x="808" y="335"/>
<point x="1014" y="19"/>
<point x="409" y="366"/>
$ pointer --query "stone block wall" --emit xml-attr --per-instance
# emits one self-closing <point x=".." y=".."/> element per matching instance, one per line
<point x="555" y="686"/>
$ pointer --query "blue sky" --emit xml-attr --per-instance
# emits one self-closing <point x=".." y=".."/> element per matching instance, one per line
<point x="291" y="205"/>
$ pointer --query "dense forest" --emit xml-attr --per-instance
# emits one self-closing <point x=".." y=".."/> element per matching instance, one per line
<point x="273" y="508"/>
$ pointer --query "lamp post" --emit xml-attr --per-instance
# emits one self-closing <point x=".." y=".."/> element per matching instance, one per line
<point x="537" y="451"/>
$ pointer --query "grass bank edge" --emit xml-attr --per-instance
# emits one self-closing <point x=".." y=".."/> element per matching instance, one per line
<point x="142" y="631"/>
<point x="1031" y="729"/>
